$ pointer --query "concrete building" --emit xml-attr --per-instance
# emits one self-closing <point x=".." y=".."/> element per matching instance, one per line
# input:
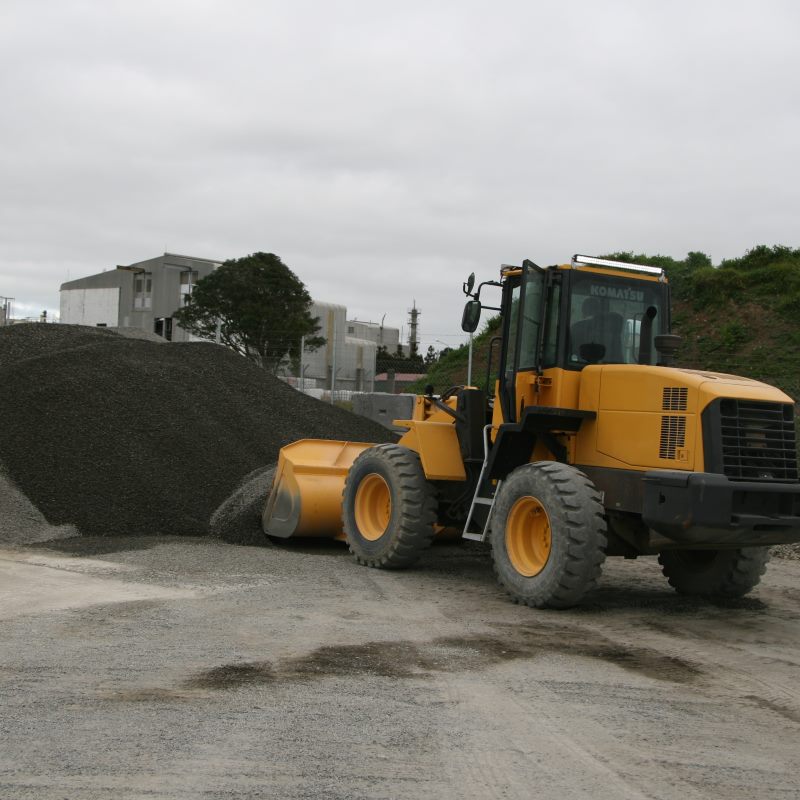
<point x="142" y="295"/>
<point x="6" y="304"/>
<point x="346" y="362"/>
<point x="381" y="335"/>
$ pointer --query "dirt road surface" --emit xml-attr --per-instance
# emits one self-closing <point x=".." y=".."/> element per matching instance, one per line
<point x="187" y="668"/>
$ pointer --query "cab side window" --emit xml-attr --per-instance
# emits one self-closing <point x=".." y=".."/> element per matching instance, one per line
<point x="531" y="319"/>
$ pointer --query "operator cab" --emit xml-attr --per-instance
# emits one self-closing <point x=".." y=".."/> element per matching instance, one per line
<point x="608" y="318"/>
<point x="591" y="311"/>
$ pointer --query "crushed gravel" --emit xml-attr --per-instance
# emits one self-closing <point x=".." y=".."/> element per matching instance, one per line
<point x="21" y="522"/>
<point x="117" y="435"/>
<point x="138" y="333"/>
<point x="238" y="519"/>
<point x="789" y="551"/>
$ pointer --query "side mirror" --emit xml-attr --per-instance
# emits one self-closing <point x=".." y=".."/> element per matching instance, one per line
<point x="471" y="316"/>
<point x="468" y="286"/>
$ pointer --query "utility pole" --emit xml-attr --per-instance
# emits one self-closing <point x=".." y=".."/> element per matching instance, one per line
<point x="413" y="314"/>
<point x="333" y="359"/>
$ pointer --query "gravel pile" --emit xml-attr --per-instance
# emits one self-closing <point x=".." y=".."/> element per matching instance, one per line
<point x="238" y="519"/>
<point x="116" y="435"/>
<point x="21" y="522"/>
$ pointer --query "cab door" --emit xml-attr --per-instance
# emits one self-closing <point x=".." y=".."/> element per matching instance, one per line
<point x="523" y="311"/>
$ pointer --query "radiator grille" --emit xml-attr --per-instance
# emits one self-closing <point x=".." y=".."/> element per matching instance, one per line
<point x="674" y="398"/>
<point x="673" y="436"/>
<point x="758" y="440"/>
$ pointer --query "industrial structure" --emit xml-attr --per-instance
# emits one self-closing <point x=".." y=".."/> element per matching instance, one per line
<point x="6" y="304"/>
<point x="346" y="362"/>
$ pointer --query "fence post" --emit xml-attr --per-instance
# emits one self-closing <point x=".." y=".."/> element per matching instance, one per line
<point x="333" y="360"/>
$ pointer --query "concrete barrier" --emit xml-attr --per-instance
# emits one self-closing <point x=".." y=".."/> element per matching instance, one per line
<point x="383" y="407"/>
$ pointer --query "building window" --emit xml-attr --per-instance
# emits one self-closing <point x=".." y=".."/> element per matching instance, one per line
<point x="351" y="329"/>
<point x="189" y="280"/>
<point x="142" y="291"/>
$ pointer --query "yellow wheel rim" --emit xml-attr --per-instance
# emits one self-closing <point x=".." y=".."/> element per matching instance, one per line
<point x="373" y="507"/>
<point x="528" y="539"/>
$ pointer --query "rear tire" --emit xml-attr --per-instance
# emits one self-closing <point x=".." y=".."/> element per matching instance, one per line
<point x="548" y="535"/>
<point x="714" y="573"/>
<point x="388" y="507"/>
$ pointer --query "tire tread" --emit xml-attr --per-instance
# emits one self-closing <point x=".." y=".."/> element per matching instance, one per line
<point x="583" y="526"/>
<point x="732" y="573"/>
<point x="413" y="531"/>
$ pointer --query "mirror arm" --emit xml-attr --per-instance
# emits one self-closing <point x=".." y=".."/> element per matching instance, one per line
<point x="443" y="406"/>
<point x="477" y="295"/>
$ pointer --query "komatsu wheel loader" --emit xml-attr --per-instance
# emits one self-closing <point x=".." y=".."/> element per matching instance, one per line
<point x="593" y="445"/>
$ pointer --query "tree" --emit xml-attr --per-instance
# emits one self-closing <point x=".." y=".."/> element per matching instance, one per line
<point x="398" y="361"/>
<point x="260" y="307"/>
<point x="383" y="361"/>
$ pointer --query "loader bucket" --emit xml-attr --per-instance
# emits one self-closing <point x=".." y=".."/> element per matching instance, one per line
<point x="306" y="496"/>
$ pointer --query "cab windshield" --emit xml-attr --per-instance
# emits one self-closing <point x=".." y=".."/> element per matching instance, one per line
<point x="613" y="320"/>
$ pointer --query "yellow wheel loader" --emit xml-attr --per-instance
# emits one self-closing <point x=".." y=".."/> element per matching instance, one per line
<point x="593" y="445"/>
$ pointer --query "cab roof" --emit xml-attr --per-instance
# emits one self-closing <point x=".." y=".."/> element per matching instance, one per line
<point x="603" y="266"/>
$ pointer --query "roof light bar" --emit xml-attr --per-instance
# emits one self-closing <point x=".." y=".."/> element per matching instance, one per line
<point x="604" y="262"/>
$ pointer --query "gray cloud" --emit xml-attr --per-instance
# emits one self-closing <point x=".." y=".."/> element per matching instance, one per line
<point x="386" y="150"/>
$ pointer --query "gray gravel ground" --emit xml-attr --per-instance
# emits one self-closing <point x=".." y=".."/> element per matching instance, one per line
<point x="151" y="667"/>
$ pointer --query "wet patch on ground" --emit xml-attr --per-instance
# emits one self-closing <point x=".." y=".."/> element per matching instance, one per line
<point x="580" y="643"/>
<point x="399" y="659"/>
<point x="650" y="663"/>
<point x="762" y="702"/>
<point x="154" y="695"/>
<point x="232" y="676"/>
<point x="405" y="659"/>
<point x="603" y="600"/>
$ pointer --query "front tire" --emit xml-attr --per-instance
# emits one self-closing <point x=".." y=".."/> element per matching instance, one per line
<point x="714" y="573"/>
<point x="548" y="535"/>
<point x="388" y="507"/>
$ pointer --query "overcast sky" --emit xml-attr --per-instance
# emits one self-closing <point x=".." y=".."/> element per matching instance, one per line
<point x="386" y="149"/>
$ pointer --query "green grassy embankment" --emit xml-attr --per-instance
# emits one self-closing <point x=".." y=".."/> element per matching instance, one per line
<point x="741" y="316"/>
